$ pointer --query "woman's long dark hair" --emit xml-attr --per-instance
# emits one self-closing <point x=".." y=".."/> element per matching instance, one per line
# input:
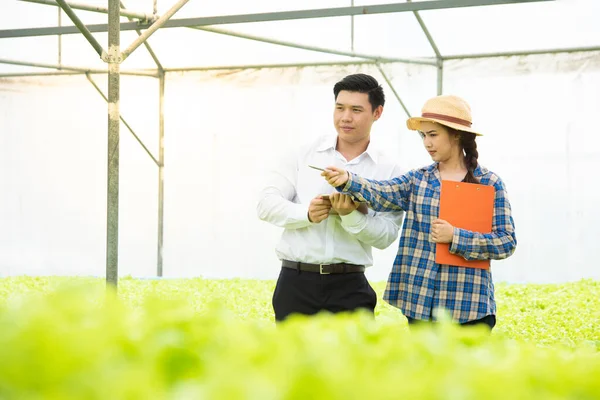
<point x="469" y="146"/>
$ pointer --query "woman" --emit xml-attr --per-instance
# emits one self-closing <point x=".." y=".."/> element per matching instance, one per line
<point x="417" y="285"/>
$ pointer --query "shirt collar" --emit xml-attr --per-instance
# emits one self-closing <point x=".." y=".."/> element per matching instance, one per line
<point x="479" y="171"/>
<point x="330" y="142"/>
<point x="372" y="152"/>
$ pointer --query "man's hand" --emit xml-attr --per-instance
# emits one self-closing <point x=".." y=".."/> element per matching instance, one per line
<point x="318" y="209"/>
<point x="343" y="204"/>
<point x="335" y="176"/>
<point x="441" y="231"/>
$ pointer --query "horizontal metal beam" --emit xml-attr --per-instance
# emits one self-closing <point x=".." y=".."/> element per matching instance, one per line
<point x="522" y="53"/>
<point x="94" y="8"/>
<point x="273" y="16"/>
<point x="57" y="73"/>
<point x="33" y="74"/>
<point x="315" y="48"/>
<point x="51" y="66"/>
<point x="270" y="66"/>
<point x="71" y="68"/>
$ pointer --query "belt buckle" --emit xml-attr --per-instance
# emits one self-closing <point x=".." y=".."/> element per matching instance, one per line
<point x="321" y="269"/>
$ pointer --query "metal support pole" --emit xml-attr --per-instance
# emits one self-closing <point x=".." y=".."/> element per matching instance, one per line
<point x="153" y="28"/>
<point x="161" y="159"/>
<point x="112" y="203"/>
<point x="352" y="28"/>
<point x="393" y="90"/>
<point x="440" y="76"/>
<point x="88" y="35"/>
<point x="59" y="37"/>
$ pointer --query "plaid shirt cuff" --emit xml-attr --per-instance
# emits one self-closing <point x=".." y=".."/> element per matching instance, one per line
<point x="346" y="187"/>
<point x="462" y="242"/>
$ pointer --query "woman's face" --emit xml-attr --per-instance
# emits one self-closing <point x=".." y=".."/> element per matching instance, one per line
<point x="439" y="143"/>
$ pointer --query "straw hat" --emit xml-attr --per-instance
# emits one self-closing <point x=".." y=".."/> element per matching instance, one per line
<point x="450" y="111"/>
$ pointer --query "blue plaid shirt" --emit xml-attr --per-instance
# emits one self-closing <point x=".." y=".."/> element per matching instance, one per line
<point x="417" y="284"/>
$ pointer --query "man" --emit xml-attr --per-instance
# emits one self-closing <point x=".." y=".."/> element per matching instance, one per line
<point x="327" y="240"/>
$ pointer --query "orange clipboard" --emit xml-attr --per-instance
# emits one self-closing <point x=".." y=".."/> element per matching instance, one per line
<point x="468" y="206"/>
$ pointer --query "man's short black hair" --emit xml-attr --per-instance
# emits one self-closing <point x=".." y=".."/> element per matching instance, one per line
<point x="362" y="83"/>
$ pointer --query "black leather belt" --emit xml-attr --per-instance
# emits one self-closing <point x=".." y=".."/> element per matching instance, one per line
<point x="339" y="268"/>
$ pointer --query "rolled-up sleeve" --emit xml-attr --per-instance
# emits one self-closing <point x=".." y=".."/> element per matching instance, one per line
<point x="387" y="195"/>
<point x="497" y="245"/>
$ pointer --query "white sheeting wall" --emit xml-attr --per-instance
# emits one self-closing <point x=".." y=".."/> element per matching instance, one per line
<point x="224" y="129"/>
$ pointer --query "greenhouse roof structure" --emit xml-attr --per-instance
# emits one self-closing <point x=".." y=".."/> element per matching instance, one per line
<point x="62" y="37"/>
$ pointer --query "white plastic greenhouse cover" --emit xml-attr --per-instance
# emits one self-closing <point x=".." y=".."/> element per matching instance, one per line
<point x="486" y="29"/>
<point x="223" y="129"/>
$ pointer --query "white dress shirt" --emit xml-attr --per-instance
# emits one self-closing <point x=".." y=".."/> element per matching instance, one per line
<point x="287" y="194"/>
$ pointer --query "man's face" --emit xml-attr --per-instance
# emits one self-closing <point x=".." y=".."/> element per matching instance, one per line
<point x="353" y="116"/>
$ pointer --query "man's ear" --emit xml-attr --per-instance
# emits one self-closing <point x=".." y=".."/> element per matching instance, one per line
<point x="377" y="113"/>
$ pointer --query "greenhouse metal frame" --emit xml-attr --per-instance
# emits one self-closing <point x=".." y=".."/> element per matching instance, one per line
<point x="146" y="24"/>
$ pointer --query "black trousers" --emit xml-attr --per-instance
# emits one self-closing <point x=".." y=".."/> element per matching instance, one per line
<point x="489" y="320"/>
<point x="310" y="292"/>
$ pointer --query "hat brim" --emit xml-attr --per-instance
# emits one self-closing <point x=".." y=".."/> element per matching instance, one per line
<point x="414" y="124"/>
